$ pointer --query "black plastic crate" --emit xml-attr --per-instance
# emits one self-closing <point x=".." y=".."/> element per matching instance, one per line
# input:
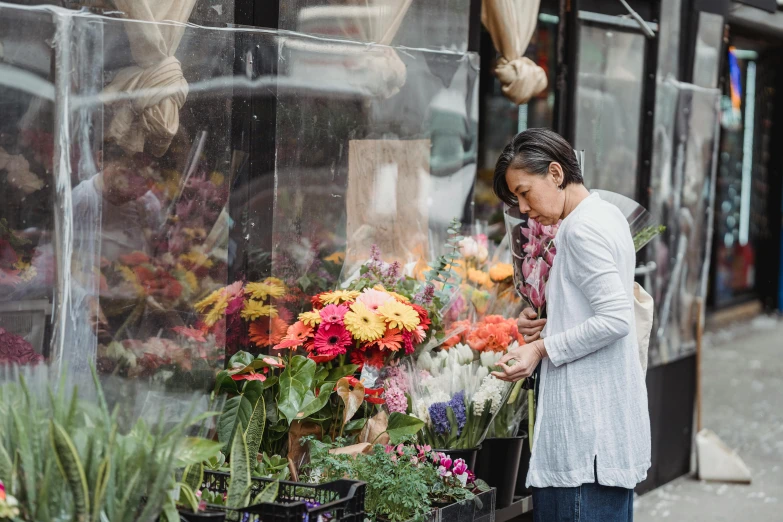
<point x="341" y="500"/>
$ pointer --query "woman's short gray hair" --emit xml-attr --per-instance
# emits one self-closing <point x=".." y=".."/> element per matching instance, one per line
<point x="533" y="151"/>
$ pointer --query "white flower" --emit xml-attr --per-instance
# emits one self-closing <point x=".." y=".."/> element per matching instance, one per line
<point x="463" y="479"/>
<point x="490" y="359"/>
<point x="492" y="389"/>
<point x="482" y="254"/>
<point x="482" y="372"/>
<point x="468" y="247"/>
<point x="424" y="362"/>
<point x="464" y="353"/>
<point x="421" y="411"/>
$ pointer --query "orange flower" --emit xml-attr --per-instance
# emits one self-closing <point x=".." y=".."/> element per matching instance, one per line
<point x="392" y="340"/>
<point x="456" y="333"/>
<point x="134" y="258"/>
<point x="268" y="330"/>
<point x="501" y="272"/>
<point x="297" y="334"/>
<point x="490" y="338"/>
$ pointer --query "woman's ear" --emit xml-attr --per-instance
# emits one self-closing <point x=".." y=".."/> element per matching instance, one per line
<point x="556" y="171"/>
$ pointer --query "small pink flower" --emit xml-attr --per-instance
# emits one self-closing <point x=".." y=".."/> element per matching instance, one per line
<point x="460" y="467"/>
<point x="443" y="472"/>
<point x="415" y="461"/>
<point x="400" y="449"/>
<point x="332" y="315"/>
<point x="388" y="449"/>
<point x="445" y="462"/>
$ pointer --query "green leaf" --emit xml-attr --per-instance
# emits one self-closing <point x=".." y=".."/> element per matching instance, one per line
<point x="341" y="371"/>
<point x="194" y="450"/>
<point x="6" y="466"/>
<point x="193" y="476"/>
<point x="402" y="426"/>
<point x="187" y="497"/>
<point x="304" y="282"/>
<point x="101" y="485"/>
<point x="71" y="468"/>
<point x="313" y="404"/>
<point x="255" y="428"/>
<point x="240" y="472"/>
<point x="237" y="411"/>
<point x="320" y="376"/>
<point x="268" y="494"/>
<point x="356" y="424"/>
<point x="243" y="358"/>
<point x="225" y="384"/>
<point x="295" y="382"/>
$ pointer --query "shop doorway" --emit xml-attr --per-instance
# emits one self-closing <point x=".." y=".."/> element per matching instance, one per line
<point x="747" y="230"/>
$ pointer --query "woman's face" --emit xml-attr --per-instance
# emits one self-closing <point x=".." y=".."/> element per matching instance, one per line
<point x="539" y="196"/>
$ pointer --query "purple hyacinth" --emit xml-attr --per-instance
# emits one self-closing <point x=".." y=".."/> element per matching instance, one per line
<point x="457" y="404"/>
<point x="440" y="420"/>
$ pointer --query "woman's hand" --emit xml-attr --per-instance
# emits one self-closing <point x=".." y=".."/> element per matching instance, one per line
<point x="527" y="357"/>
<point x="529" y="325"/>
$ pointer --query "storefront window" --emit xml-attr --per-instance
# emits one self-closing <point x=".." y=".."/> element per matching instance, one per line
<point x="608" y="107"/>
<point x="135" y="206"/>
<point x="740" y="204"/>
<point x="502" y="119"/>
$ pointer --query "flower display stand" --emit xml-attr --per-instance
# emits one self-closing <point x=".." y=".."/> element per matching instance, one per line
<point x="468" y="510"/>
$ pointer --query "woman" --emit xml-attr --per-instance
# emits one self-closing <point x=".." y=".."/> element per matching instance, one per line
<point x="591" y="442"/>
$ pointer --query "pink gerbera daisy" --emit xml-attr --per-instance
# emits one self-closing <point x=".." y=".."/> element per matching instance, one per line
<point x="334" y="341"/>
<point x="419" y="334"/>
<point x="332" y="315"/>
<point x="373" y="299"/>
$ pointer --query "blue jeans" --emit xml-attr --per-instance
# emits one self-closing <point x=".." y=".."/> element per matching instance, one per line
<point x="586" y="503"/>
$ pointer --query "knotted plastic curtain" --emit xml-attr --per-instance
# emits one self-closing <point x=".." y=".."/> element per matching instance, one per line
<point x="151" y="117"/>
<point x="511" y="24"/>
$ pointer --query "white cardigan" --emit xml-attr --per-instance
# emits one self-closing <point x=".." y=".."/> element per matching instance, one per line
<point x="592" y="404"/>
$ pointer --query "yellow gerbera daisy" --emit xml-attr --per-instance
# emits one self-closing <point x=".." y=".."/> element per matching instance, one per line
<point x="339" y="296"/>
<point x="363" y="323"/>
<point x="255" y="309"/>
<point x="207" y="301"/>
<point x="310" y="318"/>
<point x="217" y="311"/>
<point x="275" y="281"/>
<point x="399" y="315"/>
<point x="264" y="290"/>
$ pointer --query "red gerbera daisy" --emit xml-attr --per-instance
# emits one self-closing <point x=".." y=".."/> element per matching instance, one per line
<point x="334" y="341"/>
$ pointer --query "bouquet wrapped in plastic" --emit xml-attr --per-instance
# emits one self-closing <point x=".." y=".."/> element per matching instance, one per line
<point x="457" y="402"/>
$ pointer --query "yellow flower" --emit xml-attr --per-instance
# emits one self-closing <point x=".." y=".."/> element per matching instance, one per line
<point x="275" y="281"/>
<point x="190" y="279"/>
<point x="501" y="272"/>
<point x="339" y="296"/>
<point x="265" y="289"/>
<point x="310" y="318"/>
<point x="217" y="311"/>
<point x="217" y="179"/>
<point x="255" y="309"/>
<point x="197" y="258"/>
<point x="399" y="315"/>
<point x="29" y="274"/>
<point x="127" y="274"/>
<point x="395" y="295"/>
<point x="364" y="324"/>
<point x="207" y="301"/>
<point x="337" y="258"/>
<point x="479" y="277"/>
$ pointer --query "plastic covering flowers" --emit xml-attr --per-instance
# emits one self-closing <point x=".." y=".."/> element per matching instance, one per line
<point x="456" y="398"/>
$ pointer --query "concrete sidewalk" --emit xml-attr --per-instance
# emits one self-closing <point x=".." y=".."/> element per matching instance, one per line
<point x="743" y="404"/>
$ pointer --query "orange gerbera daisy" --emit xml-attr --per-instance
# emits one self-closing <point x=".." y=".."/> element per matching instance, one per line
<point x="392" y="340"/>
<point x="297" y="334"/>
<point x="489" y="337"/>
<point x="268" y="330"/>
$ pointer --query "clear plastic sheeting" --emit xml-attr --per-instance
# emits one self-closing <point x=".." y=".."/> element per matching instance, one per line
<point x="608" y="107"/>
<point x="288" y="158"/>
<point x="682" y="199"/>
<point x="431" y="24"/>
